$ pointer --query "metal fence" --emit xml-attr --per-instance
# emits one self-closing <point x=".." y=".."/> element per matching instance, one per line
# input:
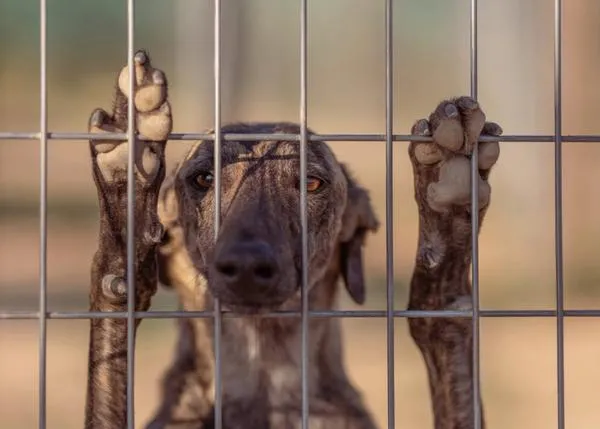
<point x="559" y="313"/>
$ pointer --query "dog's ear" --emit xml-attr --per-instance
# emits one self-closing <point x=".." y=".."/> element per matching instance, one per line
<point x="358" y="219"/>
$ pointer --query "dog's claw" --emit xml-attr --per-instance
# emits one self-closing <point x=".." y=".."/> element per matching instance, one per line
<point x="451" y="111"/>
<point x="140" y="57"/>
<point x="468" y="103"/>
<point x="421" y="127"/>
<point x="158" y="77"/>
<point x="98" y="118"/>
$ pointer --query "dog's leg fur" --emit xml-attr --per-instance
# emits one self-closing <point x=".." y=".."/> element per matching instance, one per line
<point x="441" y="276"/>
<point x="106" y="393"/>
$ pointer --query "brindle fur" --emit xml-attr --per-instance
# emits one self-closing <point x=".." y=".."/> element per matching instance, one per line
<point x="260" y="200"/>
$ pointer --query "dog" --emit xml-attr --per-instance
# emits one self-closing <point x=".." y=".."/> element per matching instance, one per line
<point x="254" y="264"/>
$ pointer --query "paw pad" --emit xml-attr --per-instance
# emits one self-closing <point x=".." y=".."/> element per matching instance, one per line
<point x="455" y="127"/>
<point x="153" y="122"/>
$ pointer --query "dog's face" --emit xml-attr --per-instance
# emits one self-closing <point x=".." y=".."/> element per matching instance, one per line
<point x="255" y="263"/>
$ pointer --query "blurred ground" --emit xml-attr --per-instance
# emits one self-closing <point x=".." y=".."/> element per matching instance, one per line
<point x="346" y="95"/>
<point x="518" y="372"/>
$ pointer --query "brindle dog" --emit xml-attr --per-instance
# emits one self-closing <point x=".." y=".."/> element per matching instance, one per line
<point x="254" y="265"/>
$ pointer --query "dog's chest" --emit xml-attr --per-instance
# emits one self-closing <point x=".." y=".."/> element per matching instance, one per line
<point x="264" y="364"/>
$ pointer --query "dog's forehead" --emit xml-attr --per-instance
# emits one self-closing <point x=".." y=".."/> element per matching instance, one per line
<point x="266" y="150"/>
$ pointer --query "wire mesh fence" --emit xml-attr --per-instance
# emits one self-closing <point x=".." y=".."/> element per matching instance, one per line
<point x="388" y="137"/>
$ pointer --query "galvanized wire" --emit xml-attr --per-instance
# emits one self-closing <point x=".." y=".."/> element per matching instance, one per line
<point x="389" y="210"/>
<point x="558" y="233"/>
<point x="43" y="136"/>
<point x="217" y="176"/>
<point x="131" y="277"/>
<point x="366" y="137"/>
<point x="303" y="207"/>
<point x="475" y="229"/>
<point x="352" y="314"/>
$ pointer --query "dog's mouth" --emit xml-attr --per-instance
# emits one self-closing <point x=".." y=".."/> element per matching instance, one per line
<point x="249" y="309"/>
<point x="254" y="304"/>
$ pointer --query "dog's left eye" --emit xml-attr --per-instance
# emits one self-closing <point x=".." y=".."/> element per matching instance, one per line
<point x="204" y="180"/>
<point x="313" y="184"/>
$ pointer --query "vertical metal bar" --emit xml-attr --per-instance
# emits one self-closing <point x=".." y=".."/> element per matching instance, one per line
<point x="217" y="160"/>
<point x="474" y="59"/>
<point x="389" y="210"/>
<point x="43" y="214"/>
<point x="303" y="204"/>
<point x="131" y="217"/>
<point x="475" y="229"/>
<point x="558" y="211"/>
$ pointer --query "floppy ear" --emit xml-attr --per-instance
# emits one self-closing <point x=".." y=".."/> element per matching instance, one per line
<point x="358" y="219"/>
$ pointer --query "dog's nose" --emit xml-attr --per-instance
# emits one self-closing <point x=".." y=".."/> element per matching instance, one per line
<point x="247" y="264"/>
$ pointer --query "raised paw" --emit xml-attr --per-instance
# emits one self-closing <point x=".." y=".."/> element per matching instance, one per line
<point x="153" y="122"/>
<point x="443" y="167"/>
<point x="440" y="280"/>
<point x="109" y="291"/>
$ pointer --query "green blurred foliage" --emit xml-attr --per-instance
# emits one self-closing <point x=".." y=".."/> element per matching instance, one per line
<point x="79" y="32"/>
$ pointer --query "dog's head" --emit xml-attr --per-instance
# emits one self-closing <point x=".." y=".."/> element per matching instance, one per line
<point x="255" y="262"/>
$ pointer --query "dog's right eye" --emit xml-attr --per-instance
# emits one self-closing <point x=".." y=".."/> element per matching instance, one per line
<point x="204" y="180"/>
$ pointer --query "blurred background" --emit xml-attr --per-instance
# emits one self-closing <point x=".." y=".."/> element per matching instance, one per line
<point x="87" y="46"/>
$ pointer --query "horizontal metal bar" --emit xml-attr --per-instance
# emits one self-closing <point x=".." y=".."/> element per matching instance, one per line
<point x="578" y="138"/>
<point x="357" y="314"/>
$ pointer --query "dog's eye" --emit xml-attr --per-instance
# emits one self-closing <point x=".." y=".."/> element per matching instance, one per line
<point x="205" y="180"/>
<point x="313" y="184"/>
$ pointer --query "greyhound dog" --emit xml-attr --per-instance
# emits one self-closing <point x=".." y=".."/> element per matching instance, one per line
<point x="254" y="264"/>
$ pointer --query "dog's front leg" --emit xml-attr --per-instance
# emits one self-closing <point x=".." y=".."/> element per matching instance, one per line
<point x="442" y="177"/>
<point x="106" y="405"/>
